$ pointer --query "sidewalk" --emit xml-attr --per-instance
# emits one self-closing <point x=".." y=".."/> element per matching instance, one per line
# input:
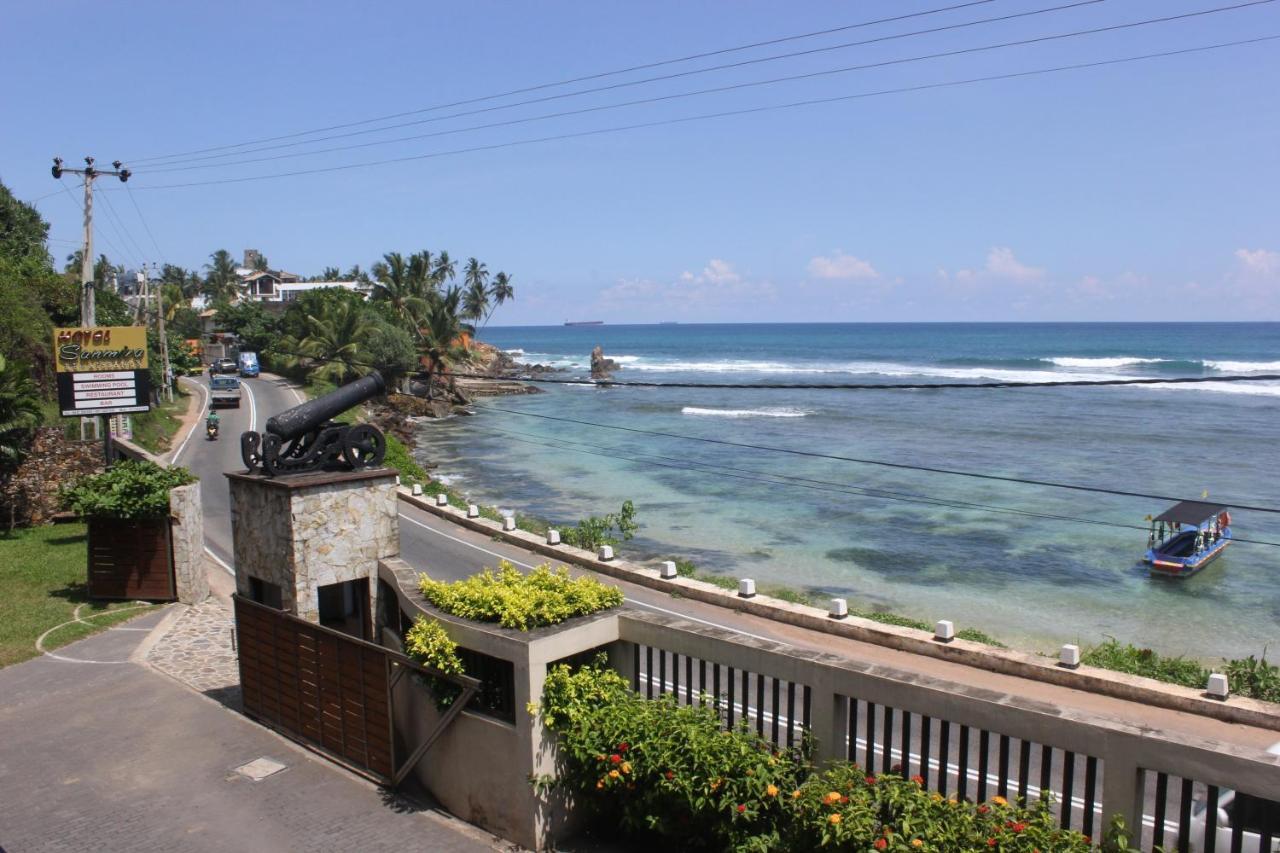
<point x="105" y="754"/>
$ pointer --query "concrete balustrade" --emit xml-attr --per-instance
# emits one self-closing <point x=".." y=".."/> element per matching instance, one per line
<point x="944" y="631"/>
<point x="417" y="487"/>
<point x="1069" y="656"/>
<point x="553" y="537"/>
<point x="442" y="499"/>
<point x="839" y="608"/>
<point x="746" y="588"/>
<point x="1217" y="687"/>
<point x="473" y="511"/>
<point x="667" y="570"/>
<point x="508" y="523"/>
<point x="605" y="552"/>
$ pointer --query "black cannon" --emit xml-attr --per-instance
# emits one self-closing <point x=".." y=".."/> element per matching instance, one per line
<point x="305" y="438"/>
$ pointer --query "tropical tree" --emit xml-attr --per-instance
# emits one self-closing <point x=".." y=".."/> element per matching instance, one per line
<point x="445" y="269"/>
<point x="440" y="341"/>
<point x="174" y="300"/>
<point x="358" y="275"/>
<point x="421" y="272"/>
<point x="19" y="415"/>
<point x="328" y="274"/>
<point x="336" y="340"/>
<point x="499" y="292"/>
<point x="221" y="284"/>
<point x="260" y="263"/>
<point x="394" y="284"/>
<point x="475" y="301"/>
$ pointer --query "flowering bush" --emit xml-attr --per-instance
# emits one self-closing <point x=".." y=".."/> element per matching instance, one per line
<point x="656" y="767"/>
<point x="514" y="600"/>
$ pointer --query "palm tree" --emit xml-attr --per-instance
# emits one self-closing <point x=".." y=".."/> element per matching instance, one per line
<point x="445" y="269"/>
<point x="329" y="274"/>
<point x="499" y="292"/>
<point x="441" y="336"/>
<point x="335" y="341"/>
<point x="260" y="263"/>
<point x="221" y="284"/>
<point x="174" y="300"/>
<point x="394" y="285"/>
<point x="358" y="275"/>
<point x="421" y="273"/>
<point x="19" y="415"/>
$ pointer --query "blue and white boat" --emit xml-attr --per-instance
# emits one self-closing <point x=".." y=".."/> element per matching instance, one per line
<point x="1186" y="537"/>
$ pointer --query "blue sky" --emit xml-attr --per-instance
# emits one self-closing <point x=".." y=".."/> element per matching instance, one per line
<point x="1139" y="191"/>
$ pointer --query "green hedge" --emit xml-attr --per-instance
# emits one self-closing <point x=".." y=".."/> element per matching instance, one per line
<point x="127" y="490"/>
<point x="668" y="774"/>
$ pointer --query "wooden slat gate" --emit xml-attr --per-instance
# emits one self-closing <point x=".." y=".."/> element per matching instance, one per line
<point x="328" y="689"/>
<point x="131" y="560"/>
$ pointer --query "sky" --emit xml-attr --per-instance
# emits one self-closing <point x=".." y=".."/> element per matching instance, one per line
<point x="1145" y="190"/>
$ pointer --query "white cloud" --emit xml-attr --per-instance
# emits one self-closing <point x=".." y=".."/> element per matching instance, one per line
<point x="716" y="271"/>
<point x="1001" y="265"/>
<point x="840" y="266"/>
<point x="1260" y="262"/>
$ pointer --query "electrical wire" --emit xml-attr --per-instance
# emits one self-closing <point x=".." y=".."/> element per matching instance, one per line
<point x="628" y="84"/>
<point x="724" y="114"/>
<point x="582" y="79"/>
<point x="773" y="479"/>
<point x="101" y="232"/>
<point x="143" y="220"/>
<point x="126" y="237"/>
<point x="891" y="386"/>
<point x="813" y="454"/>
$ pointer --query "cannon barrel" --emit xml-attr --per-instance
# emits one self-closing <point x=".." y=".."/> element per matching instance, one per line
<point x="307" y="416"/>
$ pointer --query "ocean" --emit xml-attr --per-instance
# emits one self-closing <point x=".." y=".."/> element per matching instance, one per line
<point x="1034" y="566"/>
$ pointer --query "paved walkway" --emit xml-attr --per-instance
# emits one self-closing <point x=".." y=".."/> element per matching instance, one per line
<point x="109" y="755"/>
<point x="197" y="650"/>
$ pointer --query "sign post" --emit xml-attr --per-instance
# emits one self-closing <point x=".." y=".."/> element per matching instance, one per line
<point x="102" y="371"/>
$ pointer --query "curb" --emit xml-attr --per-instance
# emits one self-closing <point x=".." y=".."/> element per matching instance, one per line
<point x="1250" y="712"/>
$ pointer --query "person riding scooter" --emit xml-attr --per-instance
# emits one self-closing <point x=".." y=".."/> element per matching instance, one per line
<point x="211" y="425"/>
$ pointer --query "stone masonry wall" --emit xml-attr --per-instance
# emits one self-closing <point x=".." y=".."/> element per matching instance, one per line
<point x="187" y="525"/>
<point x="53" y="461"/>
<point x="261" y="524"/>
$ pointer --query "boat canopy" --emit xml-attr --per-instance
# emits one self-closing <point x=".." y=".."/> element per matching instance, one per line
<point x="1191" y="512"/>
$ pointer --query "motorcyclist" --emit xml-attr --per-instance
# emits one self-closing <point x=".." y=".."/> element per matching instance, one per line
<point x="211" y="425"/>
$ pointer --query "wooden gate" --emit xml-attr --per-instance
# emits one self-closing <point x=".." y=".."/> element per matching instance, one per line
<point x="131" y="560"/>
<point x="328" y="689"/>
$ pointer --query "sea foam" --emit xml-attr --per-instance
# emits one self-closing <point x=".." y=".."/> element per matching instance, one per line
<point x="768" y="412"/>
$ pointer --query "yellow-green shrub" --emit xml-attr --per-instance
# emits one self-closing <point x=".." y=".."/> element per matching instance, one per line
<point x="520" y="601"/>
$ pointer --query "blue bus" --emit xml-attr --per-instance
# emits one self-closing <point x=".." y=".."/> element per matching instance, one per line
<point x="248" y="364"/>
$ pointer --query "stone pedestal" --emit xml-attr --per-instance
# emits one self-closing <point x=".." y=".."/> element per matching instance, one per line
<point x="186" y="521"/>
<point x="305" y="531"/>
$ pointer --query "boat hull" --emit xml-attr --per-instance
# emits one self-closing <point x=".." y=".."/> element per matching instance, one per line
<point x="1173" y="566"/>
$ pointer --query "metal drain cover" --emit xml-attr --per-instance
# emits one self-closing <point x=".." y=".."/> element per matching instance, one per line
<point x="260" y="768"/>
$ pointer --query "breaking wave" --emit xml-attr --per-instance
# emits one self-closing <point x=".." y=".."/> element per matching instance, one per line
<point x="768" y="412"/>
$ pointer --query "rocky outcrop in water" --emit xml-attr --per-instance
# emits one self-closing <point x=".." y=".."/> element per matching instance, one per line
<point x="601" y="367"/>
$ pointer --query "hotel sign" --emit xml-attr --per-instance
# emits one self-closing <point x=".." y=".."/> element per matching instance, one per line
<point x="102" y="370"/>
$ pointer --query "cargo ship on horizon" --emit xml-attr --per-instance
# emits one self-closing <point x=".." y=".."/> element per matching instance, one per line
<point x="584" y="322"/>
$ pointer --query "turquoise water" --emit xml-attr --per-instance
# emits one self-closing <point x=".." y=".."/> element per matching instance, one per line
<point x="933" y="546"/>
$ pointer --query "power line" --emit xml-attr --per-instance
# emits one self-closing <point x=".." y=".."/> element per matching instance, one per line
<point x="627" y="84"/>
<point x="143" y="220"/>
<point x="125" y="236"/>
<point x="894" y="386"/>
<point x="594" y="76"/>
<point x="724" y="114"/>
<point x="62" y="183"/>
<point x="770" y="478"/>
<point x="813" y="454"/>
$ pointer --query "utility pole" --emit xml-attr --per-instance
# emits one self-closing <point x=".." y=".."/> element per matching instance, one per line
<point x="164" y="340"/>
<point x="87" y="315"/>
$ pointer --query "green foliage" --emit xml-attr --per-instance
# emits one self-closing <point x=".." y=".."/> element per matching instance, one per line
<point x="594" y="531"/>
<point x="126" y="490"/>
<point x="427" y="643"/>
<point x="19" y="411"/>
<point x="973" y="635"/>
<point x="521" y="601"/>
<point x="667" y="771"/>
<point x="401" y="461"/>
<point x="110" y="310"/>
<point x="33" y="295"/>
<point x="250" y="322"/>
<point x="1125" y="657"/>
<point x="1254" y="677"/>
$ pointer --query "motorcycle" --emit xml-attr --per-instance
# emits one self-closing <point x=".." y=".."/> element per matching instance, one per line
<point x="211" y="431"/>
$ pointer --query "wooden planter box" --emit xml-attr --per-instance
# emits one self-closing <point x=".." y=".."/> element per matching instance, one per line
<point x="131" y="560"/>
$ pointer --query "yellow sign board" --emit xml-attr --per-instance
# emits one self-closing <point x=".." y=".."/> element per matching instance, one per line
<point x="100" y="348"/>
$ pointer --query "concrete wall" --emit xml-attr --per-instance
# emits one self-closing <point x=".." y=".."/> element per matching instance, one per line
<point x="480" y="768"/>
<point x="306" y="531"/>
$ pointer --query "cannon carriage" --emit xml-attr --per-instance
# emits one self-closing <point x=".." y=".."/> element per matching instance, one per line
<point x="306" y="438"/>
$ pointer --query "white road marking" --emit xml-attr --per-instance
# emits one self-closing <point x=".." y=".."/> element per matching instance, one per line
<point x="77" y="620"/>
<point x="636" y="603"/>
<point x="204" y="397"/>
<point x="253" y="408"/>
<point x="219" y="561"/>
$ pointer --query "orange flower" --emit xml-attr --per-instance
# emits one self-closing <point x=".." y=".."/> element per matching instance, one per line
<point x="870" y="780"/>
<point x="613" y="774"/>
<point x="916" y="842"/>
<point x="835" y="818"/>
<point x="983" y="809"/>
<point x="1000" y="801"/>
<point x="599" y="784"/>
<point x="626" y="767"/>
<point x="795" y="795"/>
<point x="880" y="844"/>
<point x="918" y="779"/>
<point x="670" y="775"/>
<point x="616" y="759"/>
<point x="741" y="808"/>
<point x="771" y="790"/>
<point x="832" y="798"/>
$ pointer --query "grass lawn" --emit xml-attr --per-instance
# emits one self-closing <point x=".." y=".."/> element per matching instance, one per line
<point x="42" y="582"/>
<point x="154" y="429"/>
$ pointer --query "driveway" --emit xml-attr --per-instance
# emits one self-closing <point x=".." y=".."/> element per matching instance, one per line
<point x="102" y="753"/>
